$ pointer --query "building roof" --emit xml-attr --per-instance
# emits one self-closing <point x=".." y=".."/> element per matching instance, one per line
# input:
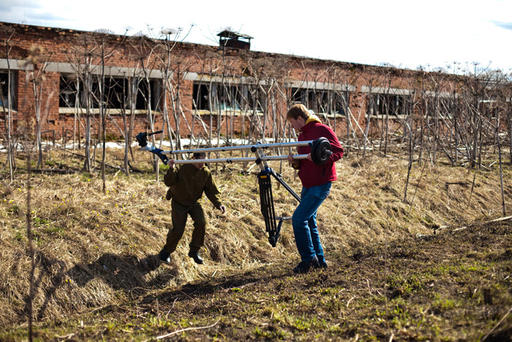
<point x="232" y="34"/>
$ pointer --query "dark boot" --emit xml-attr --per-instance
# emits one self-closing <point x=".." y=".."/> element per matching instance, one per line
<point x="304" y="266"/>
<point x="195" y="255"/>
<point x="164" y="256"/>
<point x="321" y="263"/>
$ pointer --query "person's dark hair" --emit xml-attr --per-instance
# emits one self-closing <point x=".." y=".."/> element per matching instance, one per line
<point x="199" y="155"/>
<point x="298" y="111"/>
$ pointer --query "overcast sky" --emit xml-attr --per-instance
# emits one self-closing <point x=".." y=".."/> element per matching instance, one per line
<point x="408" y="33"/>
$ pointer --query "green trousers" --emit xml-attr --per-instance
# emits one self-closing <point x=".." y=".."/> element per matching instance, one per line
<point x="179" y="220"/>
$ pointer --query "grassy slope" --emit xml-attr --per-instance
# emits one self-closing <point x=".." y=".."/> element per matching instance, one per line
<point x="95" y="250"/>
<point x="448" y="287"/>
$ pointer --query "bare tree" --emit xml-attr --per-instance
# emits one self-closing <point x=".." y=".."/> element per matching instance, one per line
<point x="38" y="62"/>
<point x="10" y="147"/>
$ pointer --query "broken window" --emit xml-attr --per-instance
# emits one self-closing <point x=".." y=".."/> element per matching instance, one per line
<point x="4" y="90"/>
<point x="212" y="96"/>
<point x="68" y="91"/>
<point x="322" y="101"/>
<point x="392" y="104"/>
<point x="116" y="96"/>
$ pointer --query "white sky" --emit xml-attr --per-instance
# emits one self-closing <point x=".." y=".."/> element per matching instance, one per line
<point x="404" y="33"/>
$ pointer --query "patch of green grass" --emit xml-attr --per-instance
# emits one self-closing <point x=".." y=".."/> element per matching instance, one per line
<point x="151" y="322"/>
<point x="86" y="176"/>
<point x="400" y="316"/>
<point x="441" y="305"/>
<point x="301" y="324"/>
<point x="270" y="332"/>
<point x="19" y="236"/>
<point x="399" y="285"/>
<point x="54" y="230"/>
<point x="51" y="163"/>
<point x="39" y="221"/>
<point x="14" y="209"/>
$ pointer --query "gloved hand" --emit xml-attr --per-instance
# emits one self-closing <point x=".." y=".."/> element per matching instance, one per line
<point x="295" y="163"/>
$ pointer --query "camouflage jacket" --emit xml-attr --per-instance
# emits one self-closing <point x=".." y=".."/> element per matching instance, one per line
<point x="187" y="184"/>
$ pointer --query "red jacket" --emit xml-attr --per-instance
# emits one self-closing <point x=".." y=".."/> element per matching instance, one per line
<point x="310" y="173"/>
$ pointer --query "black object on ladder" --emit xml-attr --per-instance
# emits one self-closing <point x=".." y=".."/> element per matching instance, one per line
<point x="272" y="223"/>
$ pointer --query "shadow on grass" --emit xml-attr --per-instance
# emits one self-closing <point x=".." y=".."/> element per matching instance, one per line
<point x="120" y="272"/>
<point x="209" y="287"/>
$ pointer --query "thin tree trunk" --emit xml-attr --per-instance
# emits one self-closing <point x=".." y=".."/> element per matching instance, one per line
<point x="103" y="119"/>
<point x="36" y="87"/>
<point x="422" y="124"/>
<point x="167" y="120"/>
<point x="370" y="112"/>
<point x="436" y="127"/>
<point x="125" y="125"/>
<point x="345" y="100"/>
<point x="30" y="246"/>
<point x="156" y="164"/>
<point x="455" y="128"/>
<point x="479" y="141"/>
<point x="87" y="162"/>
<point x="76" y="115"/>
<point x="501" y="166"/>
<point x="509" y="115"/>
<point x="10" y="150"/>
<point x="475" y="136"/>
<point x="211" y="109"/>
<point x="166" y="88"/>
<point x="386" y="130"/>
<point x="409" y="167"/>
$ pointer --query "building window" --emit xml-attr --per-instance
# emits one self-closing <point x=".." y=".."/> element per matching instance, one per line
<point x="4" y="93"/>
<point x="322" y="101"/>
<point x="72" y="93"/>
<point x="227" y="97"/>
<point x="68" y="91"/>
<point x="442" y="106"/>
<point x="382" y="104"/>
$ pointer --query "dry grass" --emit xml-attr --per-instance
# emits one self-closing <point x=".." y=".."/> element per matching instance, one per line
<point x="95" y="249"/>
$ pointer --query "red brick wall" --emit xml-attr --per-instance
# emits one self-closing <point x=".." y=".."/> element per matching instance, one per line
<point x="68" y="46"/>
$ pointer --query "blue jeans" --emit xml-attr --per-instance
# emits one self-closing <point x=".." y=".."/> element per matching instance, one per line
<point x="304" y="222"/>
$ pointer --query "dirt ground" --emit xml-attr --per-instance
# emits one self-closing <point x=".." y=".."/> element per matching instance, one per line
<point x="390" y="277"/>
<point x="454" y="285"/>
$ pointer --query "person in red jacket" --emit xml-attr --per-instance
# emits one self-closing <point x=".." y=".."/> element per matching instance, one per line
<point x="316" y="183"/>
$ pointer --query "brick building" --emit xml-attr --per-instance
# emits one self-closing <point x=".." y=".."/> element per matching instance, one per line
<point x="225" y="90"/>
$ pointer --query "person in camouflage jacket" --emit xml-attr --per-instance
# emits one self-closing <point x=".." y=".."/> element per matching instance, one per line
<point x="186" y="186"/>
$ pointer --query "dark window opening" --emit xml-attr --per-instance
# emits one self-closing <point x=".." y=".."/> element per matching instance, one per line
<point x="322" y="101"/>
<point x="68" y="91"/>
<point x="147" y="89"/>
<point x="200" y="96"/>
<point x="116" y="93"/>
<point x="216" y="96"/>
<point x="391" y="104"/>
<point x="444" y="106"/>
<point x="257" y="99"/>
<point x="4" y="90"/>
